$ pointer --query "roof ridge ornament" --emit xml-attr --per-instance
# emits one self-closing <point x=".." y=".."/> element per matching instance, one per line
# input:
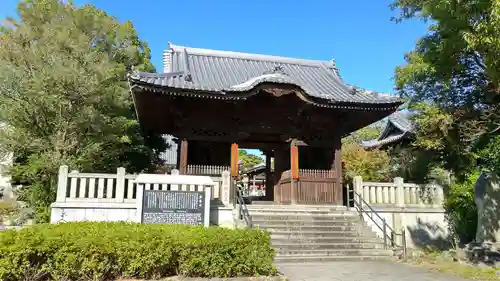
<point x="278" y="69"/>
<point x="187" y="68"/>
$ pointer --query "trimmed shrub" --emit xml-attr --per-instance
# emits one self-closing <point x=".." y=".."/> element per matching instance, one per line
<point x="105" y="251"/>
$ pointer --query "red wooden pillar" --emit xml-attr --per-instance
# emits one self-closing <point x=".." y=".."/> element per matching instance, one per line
<point x="234" y="160"/>
<point x="234" y="171"/>
<point x="183" y="157"/>
<point x="294" y="170"/>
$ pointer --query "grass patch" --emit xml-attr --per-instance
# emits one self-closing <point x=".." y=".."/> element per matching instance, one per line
<point x="433" y="261"/>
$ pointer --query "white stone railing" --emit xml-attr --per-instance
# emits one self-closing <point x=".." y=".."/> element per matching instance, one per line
<point x="120" y="187"/>
<point x="399" y="193"/>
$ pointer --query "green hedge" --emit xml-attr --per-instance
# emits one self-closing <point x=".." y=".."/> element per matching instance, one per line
<point x="105" y="251"/>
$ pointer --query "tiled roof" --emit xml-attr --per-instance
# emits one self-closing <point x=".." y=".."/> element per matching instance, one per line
<point x="399" y="120"/>
<point x="222" y="73"/>
<point x="380" y="142"/>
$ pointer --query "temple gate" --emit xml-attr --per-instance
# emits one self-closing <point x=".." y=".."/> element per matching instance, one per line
<point x="294" y="110"/>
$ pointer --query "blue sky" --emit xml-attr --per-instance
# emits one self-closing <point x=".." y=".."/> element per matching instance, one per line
<point x="359" y="35"/>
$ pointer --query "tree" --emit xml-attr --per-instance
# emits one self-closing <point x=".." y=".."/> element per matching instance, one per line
<point x="373" y="164"/>
<point x="249" y="160"/>
<point x="64" y="95"/>
<point x="453" y="77"/>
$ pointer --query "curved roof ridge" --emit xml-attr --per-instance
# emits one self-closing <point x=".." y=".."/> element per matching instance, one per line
<point x="401" y="120"/>
<point x="250" y="56"/>
<point x="379" y="142"/>
<point x="269" y="78"/>
<point x="369" y="92"/>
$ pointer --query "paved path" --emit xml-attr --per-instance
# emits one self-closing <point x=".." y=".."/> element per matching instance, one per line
<point x="360" y="271"/>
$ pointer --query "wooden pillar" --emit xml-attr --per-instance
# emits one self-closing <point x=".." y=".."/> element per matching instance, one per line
<point x="183" y="157"/>
<point x="294" y="170"/>
<point x="234" y="160"/>
<point x="269" y="184"/>
<point x="281" y="157"/>
<point x="337" y="166"/>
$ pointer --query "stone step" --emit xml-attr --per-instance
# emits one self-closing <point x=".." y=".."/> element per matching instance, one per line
<point x="302" y="217"/>
<point x="305" y="223"/>
<point x="335" y="252"/>
<point x="307" y="212"/>
<point x="334" y="223"/>
<point x="322" y="258"/>
<point x="305" y="208"/>
<point x="318" y="233"/>
<point x="289" y="227"/>
<point x="319" y="245"/>
<point x="321" y="240"/>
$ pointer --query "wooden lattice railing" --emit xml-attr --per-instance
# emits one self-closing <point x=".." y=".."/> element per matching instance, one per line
<point x="312" y="187"/>
<point x="206" y="170"/>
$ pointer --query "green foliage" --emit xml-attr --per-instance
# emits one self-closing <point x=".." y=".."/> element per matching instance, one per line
<point x="64" y="95"/>
<point x="453" y="80"/>
<point x="249" y="160"/>
<point x="455" y="70"/>
<point x="363" y="134"/>
<point x="460" y="208"/>
<point x="107" y="251"/>
<point x="372" y="165"/>
<point x="410" y="163"/>
<point x="7" y="209"/>
<point x="439" y="142"/>
<point x="489" y="154"/>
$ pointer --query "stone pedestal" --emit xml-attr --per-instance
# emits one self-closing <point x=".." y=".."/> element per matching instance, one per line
<point x="487" y="198"/>
<point x="485" y="253"/>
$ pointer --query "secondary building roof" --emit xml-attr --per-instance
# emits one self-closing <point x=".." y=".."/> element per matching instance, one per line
<point x="398" y="126"/>
<point x="224" y="74"/>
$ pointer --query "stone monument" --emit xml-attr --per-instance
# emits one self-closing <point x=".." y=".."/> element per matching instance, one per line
<point x="487" y="199"/>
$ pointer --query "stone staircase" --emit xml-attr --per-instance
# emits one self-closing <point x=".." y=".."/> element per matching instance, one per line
<point x="306" y="233"/>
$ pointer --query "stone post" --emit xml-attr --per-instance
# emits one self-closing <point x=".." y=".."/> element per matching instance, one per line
<point x="397" y="218"/>
<point x="357" y="183"/>
<point x="175" y="172"/>
<point x="120" y="185"/>
<point x="400" y="193"/>
<point x="62" y="184"/>
<point x="439" y="196"/>
<point x="226" y="188"/>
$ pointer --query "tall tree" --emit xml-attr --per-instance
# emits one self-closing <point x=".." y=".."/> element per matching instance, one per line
<point x="64" y="95"/>
<point x="249" y="160"/>
<point x="453" y="77"/>
<point x="373" y="164"/>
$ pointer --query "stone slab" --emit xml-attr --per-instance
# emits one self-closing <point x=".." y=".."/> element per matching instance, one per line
<point x="360" y="271"/>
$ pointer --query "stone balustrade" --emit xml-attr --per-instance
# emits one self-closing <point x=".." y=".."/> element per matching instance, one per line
<point x="398" y="193"/>
<point x="116" y="188"/>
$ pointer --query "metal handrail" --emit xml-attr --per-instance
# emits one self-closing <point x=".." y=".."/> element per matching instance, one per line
<point x="387" y="230"/>
<point x="243" y="212"/>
